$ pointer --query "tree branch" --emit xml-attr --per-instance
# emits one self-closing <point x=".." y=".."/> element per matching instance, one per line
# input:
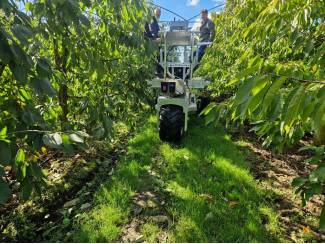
<point x="297" y="79"/>
<point x="28" y="131"/>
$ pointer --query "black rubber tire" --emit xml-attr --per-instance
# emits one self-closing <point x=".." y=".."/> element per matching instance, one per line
<point x="203" y="102"/>
<point x="171" y="123"/>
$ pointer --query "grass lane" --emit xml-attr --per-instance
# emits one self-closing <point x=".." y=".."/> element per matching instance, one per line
<point x="202" y="186"/>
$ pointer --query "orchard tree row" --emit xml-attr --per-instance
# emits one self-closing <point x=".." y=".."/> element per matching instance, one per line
<point x="268" y="61"/>
<point x="68" y="69"/>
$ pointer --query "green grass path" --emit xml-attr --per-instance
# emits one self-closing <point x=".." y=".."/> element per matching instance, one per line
<point x="201" y="191"/>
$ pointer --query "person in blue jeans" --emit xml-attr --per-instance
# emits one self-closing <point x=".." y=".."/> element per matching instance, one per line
<point x="152" y="33"/>
<point x="152" y="29"/>
<point x="154" y="26"/>
<point x="207" y="32"/>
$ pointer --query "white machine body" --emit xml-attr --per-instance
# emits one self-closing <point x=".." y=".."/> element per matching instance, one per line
<point x="178" y="60"/>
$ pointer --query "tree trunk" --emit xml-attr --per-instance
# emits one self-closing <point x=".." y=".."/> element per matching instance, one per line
<point x="320" y="128"/>
<point x="63" y="101"/>
<point x="63" y="90"/>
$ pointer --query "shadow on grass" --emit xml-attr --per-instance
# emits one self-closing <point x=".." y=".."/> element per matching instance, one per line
<point x="211" y="195"/>
<point x="113" y="205"/>
<point x="215" y="199"/>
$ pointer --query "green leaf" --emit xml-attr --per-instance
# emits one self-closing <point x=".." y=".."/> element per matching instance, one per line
<point x="26" y="189"/>
<point x="108" y="123"/>
<point x="244" y="91"/>
<point x="3" y="133"/>
<point x="98" y="132"/>
<point x="28" y="6"/>
<point x="43" y="67"/>
<point x="313" y="160"/>
<point x="257" y="99"/>
<point x="67" y="145"/>
<point x="20" y="73"/>
<point x="53" y="140"/>
<point x="298" y="181"/>
<point x="320" y="150"/>
<point x="20" y="162"/>
<point x="305" y="148"/>
<point x="5" y="153"/>
<point x="275" y="109"/>
<point x="319" y="122"/>
<point x="20" y="56"/>
<point x="82" y="134"/>
<point x="320" y="172"/>
<point x="22" y="33"/>
<point x="208" y="109"/>
<point x="308" y="110"/>
<point x="272" y="93"/>
<point x="211" y="116"/>
<point x="20" y="156"/>
<point x="241" y="75"/>
<point x="2" y="172"/>
<point x="5" y="192"/>
<point x="310" y="45"/>
<point x="313" y="189"/>
<point x="66" y="221"/>
<point x="319" y="154"/>
<point x="294" y="106"/>
<point x="84" y="20"/>
<point x="43" y="86"/>
<point x="76" y="138"/>
<point x="26" y="95"/>
<point x="5" y="52"/>
<point x="321" y="93"/>
<point x="260" y="84"/>
<point x="36" y="170"/>
<point x="322" y="219"/>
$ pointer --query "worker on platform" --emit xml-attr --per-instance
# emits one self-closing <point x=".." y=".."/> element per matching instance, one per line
<point x="152" y="33"/>
<point x="154" y="26"/>
<point x="152" y="29"/>
<point x="207" y="32"/>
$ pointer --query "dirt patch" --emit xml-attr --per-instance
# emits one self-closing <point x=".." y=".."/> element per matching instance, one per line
<point x="148" y="206"/>
<point x="275" y="172"/>
<point x="72" y="181"/>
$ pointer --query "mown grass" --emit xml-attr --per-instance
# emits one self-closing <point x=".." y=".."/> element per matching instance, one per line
<point x="150" y="231"/>
<point x="211" y="195"/>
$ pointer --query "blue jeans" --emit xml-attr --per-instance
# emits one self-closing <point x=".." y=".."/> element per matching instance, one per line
<point x="201" y="51"/>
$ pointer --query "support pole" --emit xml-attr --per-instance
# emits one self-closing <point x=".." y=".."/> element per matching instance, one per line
<point x="165" y="57"/>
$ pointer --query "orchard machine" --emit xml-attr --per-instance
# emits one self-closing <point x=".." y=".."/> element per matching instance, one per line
<point x="178" y="92"/>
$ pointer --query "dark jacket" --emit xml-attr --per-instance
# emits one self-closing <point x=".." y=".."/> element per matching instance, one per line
<point x="207" y="31"/>
<point x="154" y="28"/>
<point x="147" y="32"/>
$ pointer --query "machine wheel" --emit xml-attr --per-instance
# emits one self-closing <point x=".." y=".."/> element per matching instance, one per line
<point x="171" y="123"/>
<point x="203" y="102"/>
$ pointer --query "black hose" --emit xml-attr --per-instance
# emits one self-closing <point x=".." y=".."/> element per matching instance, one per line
<point x="208" y="10"/>
<point x="156" y="5"/>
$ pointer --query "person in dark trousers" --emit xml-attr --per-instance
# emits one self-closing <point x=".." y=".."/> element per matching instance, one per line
<point x="154" y="26"/>
<point x="207" y="32"/>
<point x="147" y="32"/>
<point x="151" y="30"/>
<point x="152" y="33"/>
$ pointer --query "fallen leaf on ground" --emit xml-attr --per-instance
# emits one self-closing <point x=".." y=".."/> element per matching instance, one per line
<point x="33" y="158"/>
<point x="206" y="197"/>
<point x="232" y="203"/>
<point x="306" y="229"/>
